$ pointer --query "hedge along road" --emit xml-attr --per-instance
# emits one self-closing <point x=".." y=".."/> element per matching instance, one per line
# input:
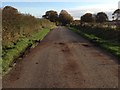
<point x="64" y="60"/>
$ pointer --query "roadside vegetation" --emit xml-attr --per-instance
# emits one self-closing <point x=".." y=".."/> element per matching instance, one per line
<point x="20" y="31"/>
<point x="101" y="37"/>
<point x="100" y="31"/>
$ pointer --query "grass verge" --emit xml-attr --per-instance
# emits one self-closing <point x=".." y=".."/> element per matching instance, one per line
<point x="114" y="48"/>
<point x="9" y="55"/>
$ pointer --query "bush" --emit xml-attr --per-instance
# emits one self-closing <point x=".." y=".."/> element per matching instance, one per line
<point x="16" y="25"/>
<point x="19" y="32"/>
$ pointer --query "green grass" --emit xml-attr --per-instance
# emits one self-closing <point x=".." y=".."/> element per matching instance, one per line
<point x="110" y="46"/>
<point x="40" y="35"/>
<point x="11" y="54"/>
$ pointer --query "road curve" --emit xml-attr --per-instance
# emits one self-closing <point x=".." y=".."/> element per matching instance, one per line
<point x="64" y="60"/>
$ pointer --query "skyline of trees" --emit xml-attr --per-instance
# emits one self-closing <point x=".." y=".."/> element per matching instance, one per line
<point x="100" y="17"/>
<point x="62" y="18"/>
<point x="116" y="14"/>
<point x="88" y="17"/>
<point x="65" y="17"/>
<point x="81" y="15"/>
<point x="51" y="15"/>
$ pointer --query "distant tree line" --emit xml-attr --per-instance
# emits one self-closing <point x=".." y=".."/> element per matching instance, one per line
<point x="99" y="18"/>
<point x="63" y="18"/>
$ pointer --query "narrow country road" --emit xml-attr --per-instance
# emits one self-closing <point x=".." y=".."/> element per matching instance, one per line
<point x="64" y="60"/>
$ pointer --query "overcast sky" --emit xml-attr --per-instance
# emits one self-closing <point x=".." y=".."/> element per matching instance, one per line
<point x="75" y="7"/>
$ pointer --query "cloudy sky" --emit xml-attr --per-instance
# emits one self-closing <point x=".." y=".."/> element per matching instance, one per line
<point x="75" y="7"/>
